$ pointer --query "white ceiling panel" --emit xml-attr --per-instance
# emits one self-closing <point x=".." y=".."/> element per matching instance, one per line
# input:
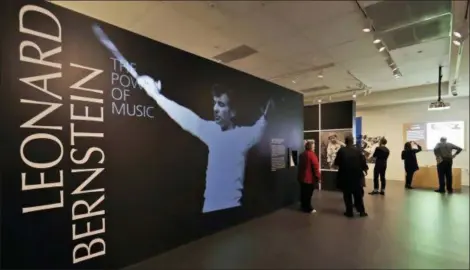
<point x="341" y="30"/>
<point x="356" y="49"/>
<point x="236" y="9"/>
<point x="257" y="29"/>
<point x="305" y="13"/>
<point x="271" y="69"/>
<point x="316" y="58"/>
<point x="363" y="66"/>
<point x="122" y="13"/>
<point x="250" y="63"/>
<point x="433" y="49"/>
<point x="415" y="67"/>
<point x="282" y="49"/>
<point x="367" y="3"/>
<point x="203" y="12"/>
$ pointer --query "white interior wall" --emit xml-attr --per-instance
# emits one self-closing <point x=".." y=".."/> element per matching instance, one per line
<point x="388" y="121"/>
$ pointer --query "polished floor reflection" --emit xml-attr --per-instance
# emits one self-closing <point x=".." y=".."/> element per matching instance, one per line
<point x="405" y="230"/>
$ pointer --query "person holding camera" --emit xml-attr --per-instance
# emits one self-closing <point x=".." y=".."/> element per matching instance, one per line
<point x="408" y="155"/>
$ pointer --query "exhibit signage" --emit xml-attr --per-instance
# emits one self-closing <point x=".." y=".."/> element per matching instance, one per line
<point x="115" y="150"/>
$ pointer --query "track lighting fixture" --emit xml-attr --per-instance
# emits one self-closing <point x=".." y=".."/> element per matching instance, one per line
<point x="367" y="27"/>
<point x="460" y="34"/>
<point x="377" y="41"/>
<point x="381" y="49"/>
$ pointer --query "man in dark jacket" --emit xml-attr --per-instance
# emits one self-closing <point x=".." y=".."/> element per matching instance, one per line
<point x="381" y="154"/>
<point x="308" y="176"/>
<point x="352" y="166"/>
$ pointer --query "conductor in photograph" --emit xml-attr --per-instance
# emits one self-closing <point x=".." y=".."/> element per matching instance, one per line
<point x="445" y="156"/>
<point x="228" y="143"/>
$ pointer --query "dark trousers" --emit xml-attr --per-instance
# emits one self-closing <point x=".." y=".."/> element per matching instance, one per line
<point x="354" y="199"/>
<point x="444" y="171"/>
<point x="409" y="178"/>
<point x="306" y="192"/>
<point x="379" y="172"/>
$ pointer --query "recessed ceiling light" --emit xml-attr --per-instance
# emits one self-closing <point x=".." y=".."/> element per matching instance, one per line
<point x="293" y="81"/>
<point x="382" y="49"/>
<point x="320" y="75"/>
<point x="457" y="34"/>
<point x="319" y="100"/>
<point x="354" y="95"/>
<point x="377" y="41"/>
<point x="366" y="30"/>
<point x="456" y="42"/>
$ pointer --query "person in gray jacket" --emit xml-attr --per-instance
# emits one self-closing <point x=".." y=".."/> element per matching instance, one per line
<point x="444" y="156"/>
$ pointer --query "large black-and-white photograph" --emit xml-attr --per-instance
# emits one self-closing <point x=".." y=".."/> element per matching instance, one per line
<point x="331" y="142"/>
<point x="368" y="146"/>
<point x="228" y="142"/>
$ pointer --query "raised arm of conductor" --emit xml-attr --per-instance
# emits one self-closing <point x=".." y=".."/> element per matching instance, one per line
<point x="184" y="117"/>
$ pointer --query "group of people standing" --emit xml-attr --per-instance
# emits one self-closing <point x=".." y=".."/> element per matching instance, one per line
<point x="352" y="169"/>
<point x="443" y="151"/>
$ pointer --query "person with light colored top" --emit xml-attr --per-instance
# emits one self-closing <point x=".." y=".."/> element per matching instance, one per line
<point x="444" y="157"/>
<point x="228" y="143"/>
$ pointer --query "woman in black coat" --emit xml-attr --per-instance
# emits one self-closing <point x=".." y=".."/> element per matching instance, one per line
<point x="411" y="163"/>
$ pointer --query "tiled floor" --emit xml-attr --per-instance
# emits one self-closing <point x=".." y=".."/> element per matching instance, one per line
<point x="405" y="230"/>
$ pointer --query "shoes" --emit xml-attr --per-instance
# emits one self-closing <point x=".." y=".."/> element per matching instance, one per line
<point x="382" y="192"/>
<point x="439" y="191"/>
<point x="349" y="215"/>
<point x="450" y="191"/>
<point x="408" y="187"/>
<point x="363" y="214"/>
<point x="374" y="192"/>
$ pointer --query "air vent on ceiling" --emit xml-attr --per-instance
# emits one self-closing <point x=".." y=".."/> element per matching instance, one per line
<point x="314" y="89"/>
<point x="401" y="24"/>
<point x="418" y="33"/>
<point x="303" y="71"/>
<point x="235" y="54"/>
<point x="389" y="15"/>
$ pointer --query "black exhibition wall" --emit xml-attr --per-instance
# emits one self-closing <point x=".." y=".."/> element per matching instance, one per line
<point x="101" y="170"/>
<point x="328" y="124"/>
